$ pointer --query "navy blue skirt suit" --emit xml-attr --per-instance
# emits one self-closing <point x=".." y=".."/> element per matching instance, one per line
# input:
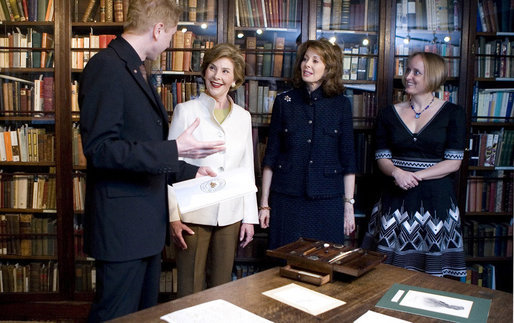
<point x="310" y="149"/>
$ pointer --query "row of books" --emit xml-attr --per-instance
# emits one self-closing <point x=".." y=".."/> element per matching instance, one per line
<point x="442" y="48"/>
<point x="35" y="49"/>
<point x="492" y="149"/>
<point x="80" y="58"/>
<point x="28" y="235"/>
<point x="430" y="14"/>
<point x="184" y="61"/>
<point x="33" y="277"/>
<point x="493" y="104"/>
<point x="26" y="10"/>
<point x="257" y="97"/>
<point x="489" y="194"/>
<point x="452" y="66"/>
<point x="364" y="152"/>
<point x="495" y="16"/>
<point x="347" y="15"/>
<point x="481" y="275"/>
<point x="178" y="91"/>
<point x="168" y="282"/>
<point x="26" y="144"/>
<point x="447" y="92"/>
<point x="495" y="58"/>
<point x="27" y="191"/>
<point x="116" y="10"/>
<point x="264" y="58"/>
<point x="359" y="67"/>
<point x="79" y="193"/>
<point x="107" y="10"/>
<point x="364" y="107"/>
<point x="487" y="239"/>
<point x="268" y="13"/>
<point x="77" y="152"/>
<point x="17" y="98"/>
<point x="85" y="277"/>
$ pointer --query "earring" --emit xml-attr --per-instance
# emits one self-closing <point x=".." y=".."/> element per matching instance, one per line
<point x="233" y="84"/>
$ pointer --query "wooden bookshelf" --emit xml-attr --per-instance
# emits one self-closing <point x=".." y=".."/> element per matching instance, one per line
<point x="66" y="302"/>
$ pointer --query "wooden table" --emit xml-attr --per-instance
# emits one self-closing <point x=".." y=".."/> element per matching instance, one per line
<point x="360" y="294"/>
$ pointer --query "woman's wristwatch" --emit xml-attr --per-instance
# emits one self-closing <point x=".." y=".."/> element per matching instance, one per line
<point x="349" y="200"/>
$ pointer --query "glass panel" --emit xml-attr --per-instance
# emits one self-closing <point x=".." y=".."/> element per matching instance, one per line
<point x="28" y="215"/>
<point x="423" y="26"/>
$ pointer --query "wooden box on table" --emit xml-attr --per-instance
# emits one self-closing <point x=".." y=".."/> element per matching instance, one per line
<point x="315" y="261"/>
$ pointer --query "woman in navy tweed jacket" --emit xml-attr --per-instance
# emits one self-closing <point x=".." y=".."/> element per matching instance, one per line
<point x="309" y="167"/>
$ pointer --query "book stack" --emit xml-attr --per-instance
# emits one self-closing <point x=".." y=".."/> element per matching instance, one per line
<point x="103" y="11"/>
<point x="257" y="97"/>
<point x="492" y="149"/>
<point x="347" y="15"/>
<point x="268" y="14"/>
<point x="28" y="10"/>
<point x="40" y="56"/>
<point x="28" y="235"/>
<point x="495" y="58"/>
<point x="27" y="191"/>
<point x="26" y="144"/>
<point x="487" y="239"/>
<point x="489" y="193"/>
<point x="90" y="45"/>
<point x="189" y="60"/>
<point x="437" y="15"/>
<point x="495" y="16"/>
<point x="178" y="92"/>
<point x="198" y="10"/>
<point x="168" y="282"/>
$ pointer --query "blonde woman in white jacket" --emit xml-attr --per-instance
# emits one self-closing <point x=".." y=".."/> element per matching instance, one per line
<point x="206" y="240"/>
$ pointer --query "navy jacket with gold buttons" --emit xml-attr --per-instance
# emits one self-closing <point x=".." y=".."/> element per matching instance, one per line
<point x="310" y="145"/>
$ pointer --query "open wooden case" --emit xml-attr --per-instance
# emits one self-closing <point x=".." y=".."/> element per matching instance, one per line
<point x="315" y="261"/>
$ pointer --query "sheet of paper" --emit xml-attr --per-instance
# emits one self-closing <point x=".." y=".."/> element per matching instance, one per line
<point x="204" y="191"/>
<point x="217" y="311"/>
<point x="374" y="317"/>
<point x="437" y="303"/>
<point x="304" y="299"/>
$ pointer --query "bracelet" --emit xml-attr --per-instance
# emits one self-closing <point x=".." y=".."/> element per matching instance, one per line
<point x="264" y="208"/>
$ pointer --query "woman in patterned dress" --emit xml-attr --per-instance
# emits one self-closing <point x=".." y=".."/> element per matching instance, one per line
<point x="420" y="145"/>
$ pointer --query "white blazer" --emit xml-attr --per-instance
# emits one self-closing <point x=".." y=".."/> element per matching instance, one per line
<point x="236" y="131"/>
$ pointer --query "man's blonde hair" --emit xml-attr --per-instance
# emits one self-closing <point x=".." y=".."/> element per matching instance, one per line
<point x="143" y="14"/>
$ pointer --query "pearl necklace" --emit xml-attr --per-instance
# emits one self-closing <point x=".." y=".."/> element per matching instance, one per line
<point x="418" y="114"/>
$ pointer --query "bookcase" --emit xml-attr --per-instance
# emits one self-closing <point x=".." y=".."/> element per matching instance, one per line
<point x="489" y="169"/>
<point x="29" y="220"/>
<point x="373" y="34"/>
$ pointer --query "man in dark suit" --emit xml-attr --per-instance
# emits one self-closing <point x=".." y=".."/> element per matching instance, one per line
<point x="124" y="129"/>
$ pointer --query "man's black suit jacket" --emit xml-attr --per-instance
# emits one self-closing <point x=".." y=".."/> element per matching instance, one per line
<point x="129" y="161"/>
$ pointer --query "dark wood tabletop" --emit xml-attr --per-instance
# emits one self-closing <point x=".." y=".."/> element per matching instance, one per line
<point x="360" y="294"/>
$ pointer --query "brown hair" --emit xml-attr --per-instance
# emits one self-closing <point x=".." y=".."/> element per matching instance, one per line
<point x="231" y="52"/>
<point x="142" y="14"/>
<point x="332" y="57"/>
<point x="435" y="70"/>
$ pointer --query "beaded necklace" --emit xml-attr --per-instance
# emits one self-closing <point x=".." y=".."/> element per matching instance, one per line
<point x="418" y="114"/>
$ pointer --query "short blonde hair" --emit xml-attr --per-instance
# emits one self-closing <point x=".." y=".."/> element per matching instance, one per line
<point x="332" y="57"/>
<point x="435" y="70"/>
<point x="231" y="52"/>
<point x="143" y="14"/>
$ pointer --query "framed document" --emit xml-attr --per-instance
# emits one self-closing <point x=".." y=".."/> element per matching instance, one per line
<point x="204" y="191"/>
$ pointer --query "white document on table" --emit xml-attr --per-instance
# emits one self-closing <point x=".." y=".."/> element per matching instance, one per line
<point x="218" y="311"/>
<point x="375" y="317"/>
<point x="304" y="299"/>
<point x="204" y="191"/>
